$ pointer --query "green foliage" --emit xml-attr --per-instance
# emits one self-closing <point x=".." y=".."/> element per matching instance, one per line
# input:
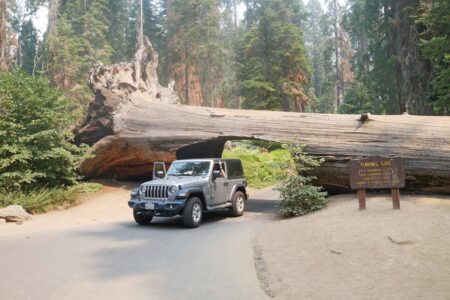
<point x="274" y="67"/>
<point x="119" y="30"/>
<point x="45" y="199"/>
<point x="64" y="63"/>
<point x="322" y="74"/>
<point x="262" y="168"/>
<point x="79" y="42"/>
<point x="299" y="196"/>
<point x="28" y="44"/>
<point x="369" y="25"/>
<point x="124" y="20"/>
<point x="35" y="148"/>
<point x="359" y="100"/>
<point x="264" y="146"/>
<point x="435" y="46"/>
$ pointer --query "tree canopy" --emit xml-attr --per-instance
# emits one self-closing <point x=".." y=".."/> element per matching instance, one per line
<point x="385" y="56"/>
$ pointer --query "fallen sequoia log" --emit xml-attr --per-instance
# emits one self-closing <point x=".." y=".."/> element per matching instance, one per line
<point x="132" y="123"/>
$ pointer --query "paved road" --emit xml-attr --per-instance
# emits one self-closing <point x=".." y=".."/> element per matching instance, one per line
<point x="110" y="257"/>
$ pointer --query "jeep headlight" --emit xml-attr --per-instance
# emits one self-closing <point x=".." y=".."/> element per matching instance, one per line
<point x="135" y="192"/>
<point x="142" y="189"/>
<point x="173" y="189"/>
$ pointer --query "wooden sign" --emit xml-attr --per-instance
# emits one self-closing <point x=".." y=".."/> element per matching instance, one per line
<point x="377" y="172"/>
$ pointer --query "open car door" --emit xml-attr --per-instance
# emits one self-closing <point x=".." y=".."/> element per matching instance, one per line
<point x="159" y="170"/>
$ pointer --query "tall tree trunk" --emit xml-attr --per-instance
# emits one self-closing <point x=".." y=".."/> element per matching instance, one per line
<point x="5" y="62"/>
<point x="235" y="19"/>
<point x="139" y="40"/>
<point x="53" y="11"/>
<point x="181" y="68"/>
<point x="140" y="26"/>
<point x="56" y="78"/>
<point x="413" y="72"/>
<point x="336" y="55"/>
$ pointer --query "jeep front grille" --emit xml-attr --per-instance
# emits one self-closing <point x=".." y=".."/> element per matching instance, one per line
<point x="156" y="192"/>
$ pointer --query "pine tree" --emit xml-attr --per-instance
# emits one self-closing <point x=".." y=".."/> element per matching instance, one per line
<point x="65" y="64"/>
<point x="155" y="14"/>
<point x="195" y="50"/>
<point x="389" y="62"/>
<point x="118" y="16"/>
<point x="274" y="66"/>
<point x="79" y="42"/>
<point x="316" y="36"/>
<point x="435" y="45"/>
<point x="229" y="33"/>
<point x="28" y="40"/>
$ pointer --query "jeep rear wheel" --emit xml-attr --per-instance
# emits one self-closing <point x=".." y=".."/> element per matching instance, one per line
<point x="238" y="207"/>
<point x="141" y="218"/>
<point x="193" y="212"/>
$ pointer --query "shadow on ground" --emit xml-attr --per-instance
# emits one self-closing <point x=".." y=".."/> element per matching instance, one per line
<point x="262" y="206"/>
<point x="129" y="249"/>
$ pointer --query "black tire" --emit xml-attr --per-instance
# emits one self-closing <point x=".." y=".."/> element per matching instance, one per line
<point x="141" y="219"/>
<point x="238" y="207"/>
<point x="193" y="213"/>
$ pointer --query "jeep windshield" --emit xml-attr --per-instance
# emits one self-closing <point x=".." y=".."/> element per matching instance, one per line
<point x="189" y="168"/>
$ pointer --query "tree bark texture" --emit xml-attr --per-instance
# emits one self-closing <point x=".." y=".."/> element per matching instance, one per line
<point x="132" y="125"/>
<point x="53" y="10"/>
<point x="182" y="71"/>
<point x="3" y="43"/>
<point x="413" y="71"/>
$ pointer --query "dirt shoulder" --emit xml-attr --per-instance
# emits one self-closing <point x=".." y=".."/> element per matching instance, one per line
<point x="342" y="253"/>
<point x="107" y="205"/>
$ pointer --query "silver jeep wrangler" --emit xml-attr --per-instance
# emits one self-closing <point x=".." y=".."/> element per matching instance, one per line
<point x="190" y="188"/>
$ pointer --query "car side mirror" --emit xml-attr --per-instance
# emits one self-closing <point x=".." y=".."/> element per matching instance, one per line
<point x="159" y="170"/>
<point x="216" y="174"/>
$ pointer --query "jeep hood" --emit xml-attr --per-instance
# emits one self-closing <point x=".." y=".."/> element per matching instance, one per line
<point x="184" y="181"/>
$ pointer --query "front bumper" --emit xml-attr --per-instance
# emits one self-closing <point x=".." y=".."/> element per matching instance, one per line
<point x="161" y="208"/>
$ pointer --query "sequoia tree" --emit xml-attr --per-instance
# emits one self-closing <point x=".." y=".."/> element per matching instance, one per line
<point x="274" y="67"/>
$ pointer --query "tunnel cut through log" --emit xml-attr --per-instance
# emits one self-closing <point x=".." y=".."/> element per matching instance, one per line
<point x="208" y="149"/>
<point x="133" y="122"/>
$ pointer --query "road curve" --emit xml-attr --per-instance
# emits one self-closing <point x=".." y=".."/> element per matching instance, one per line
<point x="96" y="251"/>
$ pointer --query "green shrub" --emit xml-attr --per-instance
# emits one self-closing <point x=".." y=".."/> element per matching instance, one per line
<point x="262" y="168"/>
<point x="298" y="195"/>
<point x="35" y="148"/>
<point x="45" y="199"/>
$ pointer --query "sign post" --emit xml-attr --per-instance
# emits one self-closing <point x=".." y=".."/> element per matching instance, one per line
<point x="377" y="172"/>
<point x="395" y="198"/>
<point x="362" y="199"/>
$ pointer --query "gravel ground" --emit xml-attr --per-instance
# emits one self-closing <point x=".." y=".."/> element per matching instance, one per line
<point x="342" y="253"/>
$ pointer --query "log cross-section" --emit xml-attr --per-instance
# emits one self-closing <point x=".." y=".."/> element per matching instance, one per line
<point x="130" y="127"/>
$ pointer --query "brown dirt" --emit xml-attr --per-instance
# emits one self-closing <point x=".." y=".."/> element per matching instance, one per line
<point x="107" y="205"/>
<point x="342" y="253"/>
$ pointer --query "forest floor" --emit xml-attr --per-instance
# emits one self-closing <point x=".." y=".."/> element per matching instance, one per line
<point x="342" y="253"/>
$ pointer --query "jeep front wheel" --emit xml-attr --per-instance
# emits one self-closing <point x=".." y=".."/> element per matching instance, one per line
<point x="141" y="218"/>
<point x="238" y="207"/>
<point x="193" y="212"/>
